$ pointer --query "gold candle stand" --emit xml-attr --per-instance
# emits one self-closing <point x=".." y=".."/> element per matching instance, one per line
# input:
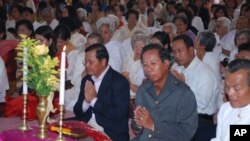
<point x="24" y="126"/>
<point x="60" y="137"/>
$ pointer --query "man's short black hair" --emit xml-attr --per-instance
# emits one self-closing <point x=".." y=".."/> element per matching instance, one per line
<point x="238" y="64"/>
<point x="163" y="53"/>
<point x="186" y="39"/>
<point x="244" y="47"/>
<point x="101" y="51"/>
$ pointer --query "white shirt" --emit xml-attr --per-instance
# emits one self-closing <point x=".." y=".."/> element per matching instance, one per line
<point x="54" y="23"/>
<point x="4" y="83"/>
<point x="230" y="116"/>
<point x="213" y="61"/>
<point x="135" y="70"/>
<point x="115" y="55"/>
<point x="72" y="94"/>
<point x="198" y="23"/>
<point x="127" y="50"/>
<point x="36" y="24"/>
<point x="202" y="81"/>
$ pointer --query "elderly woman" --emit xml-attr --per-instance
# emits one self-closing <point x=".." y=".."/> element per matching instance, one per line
<point x="106" y="28"/>
<point x="182" y="25"/>
<point x="132" y="68"/>
<point x="243" y="36"/>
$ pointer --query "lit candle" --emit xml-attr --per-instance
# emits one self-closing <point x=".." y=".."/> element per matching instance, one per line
<point x="62" y="77"/>
<point x="25" y="69"/>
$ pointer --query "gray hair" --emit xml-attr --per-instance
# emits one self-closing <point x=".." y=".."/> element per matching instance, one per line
<point x="207" y="39"/>
<point x="139" y="36"/>
<point x="105" y="21"/>
<point x="172" y="25"/>
<point x="225" y="22"/>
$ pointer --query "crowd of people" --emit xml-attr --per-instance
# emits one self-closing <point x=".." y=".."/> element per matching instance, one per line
<point x="178" y="69"/>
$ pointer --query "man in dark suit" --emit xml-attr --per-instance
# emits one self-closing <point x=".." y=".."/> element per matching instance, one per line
<point x="103" y="101"/>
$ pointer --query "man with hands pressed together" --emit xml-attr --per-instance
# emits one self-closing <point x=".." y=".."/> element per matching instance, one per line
<point x="166" y="106"/>
<point x="103" y="101"/>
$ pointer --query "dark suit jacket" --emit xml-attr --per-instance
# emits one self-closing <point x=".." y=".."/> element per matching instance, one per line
<point x="112" y="107"/>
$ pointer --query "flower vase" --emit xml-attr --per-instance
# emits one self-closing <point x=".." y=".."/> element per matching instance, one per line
<point x="42" y="117"/>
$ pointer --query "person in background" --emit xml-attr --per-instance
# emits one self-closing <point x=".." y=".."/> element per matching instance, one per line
<point x="160" y="95"/>
<point x="243" y="36"/>
<point x="170" y="29"/>
<point x="162" y="38"/>
<point x="106" y="28"/>
<point x="46" y="36"/>
<point x="237" y="88"/>
<point x="28" y="14"/>
<point x="132" y="68"/>
<point x="25" y="27"/>
<point x="198" y="76"/>
<point x="181" y="22"/>
<point x="95" y="14"/>
<point x="105" y="106"/>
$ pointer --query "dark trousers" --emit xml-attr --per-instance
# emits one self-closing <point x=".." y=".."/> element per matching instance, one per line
<point x="206" y="128"/>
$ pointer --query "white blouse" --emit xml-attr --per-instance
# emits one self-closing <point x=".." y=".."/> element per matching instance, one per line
<point x="4" y="83"/>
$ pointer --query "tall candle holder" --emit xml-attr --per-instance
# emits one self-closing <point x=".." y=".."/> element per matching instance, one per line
<point x="60" y="137"/>
<point x="24" y="126"/>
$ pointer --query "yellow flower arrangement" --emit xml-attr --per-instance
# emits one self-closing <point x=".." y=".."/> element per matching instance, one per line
<point x="41" y="67"/>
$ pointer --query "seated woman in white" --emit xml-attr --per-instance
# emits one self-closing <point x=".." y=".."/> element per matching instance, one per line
<point x="132" y="68"/>
<point x="4" y="84"/>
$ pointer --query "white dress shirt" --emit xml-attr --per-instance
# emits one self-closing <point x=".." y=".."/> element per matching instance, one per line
<point x="4" y="83"/>
<point x="202" y="81"/>
<point x="230" y="116"/>
<point x="115" y="55"/>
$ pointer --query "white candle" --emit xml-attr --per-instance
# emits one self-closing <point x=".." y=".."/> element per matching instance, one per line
<point x="25" y="69"/>
<point x="62" y="77"/>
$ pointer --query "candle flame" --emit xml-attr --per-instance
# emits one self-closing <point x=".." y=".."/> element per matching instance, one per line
<point x="64" y="48"/>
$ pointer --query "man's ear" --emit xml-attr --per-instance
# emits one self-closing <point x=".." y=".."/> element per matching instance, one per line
<point x="104" y="62"/>
<point x="191" y="50"/>
<point x="166" y="63"/>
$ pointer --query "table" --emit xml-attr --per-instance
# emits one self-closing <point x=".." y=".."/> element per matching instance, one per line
<point x="9" y="130"/>
<point x="30" y="135"/>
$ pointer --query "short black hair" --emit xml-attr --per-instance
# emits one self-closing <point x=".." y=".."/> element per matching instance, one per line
<point x="244" y="47"/>
<point x="186" y="39"/>
<point x="163" y="53"/>
<point x="238" y="64"/>
<point x="101" y="51"/>
<point x="27" y="23"/>
<point x="208" y="40"/>
<point x="62" y="31"/>
<point x="132" y="12"/>
<point x="28" y="10"/>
